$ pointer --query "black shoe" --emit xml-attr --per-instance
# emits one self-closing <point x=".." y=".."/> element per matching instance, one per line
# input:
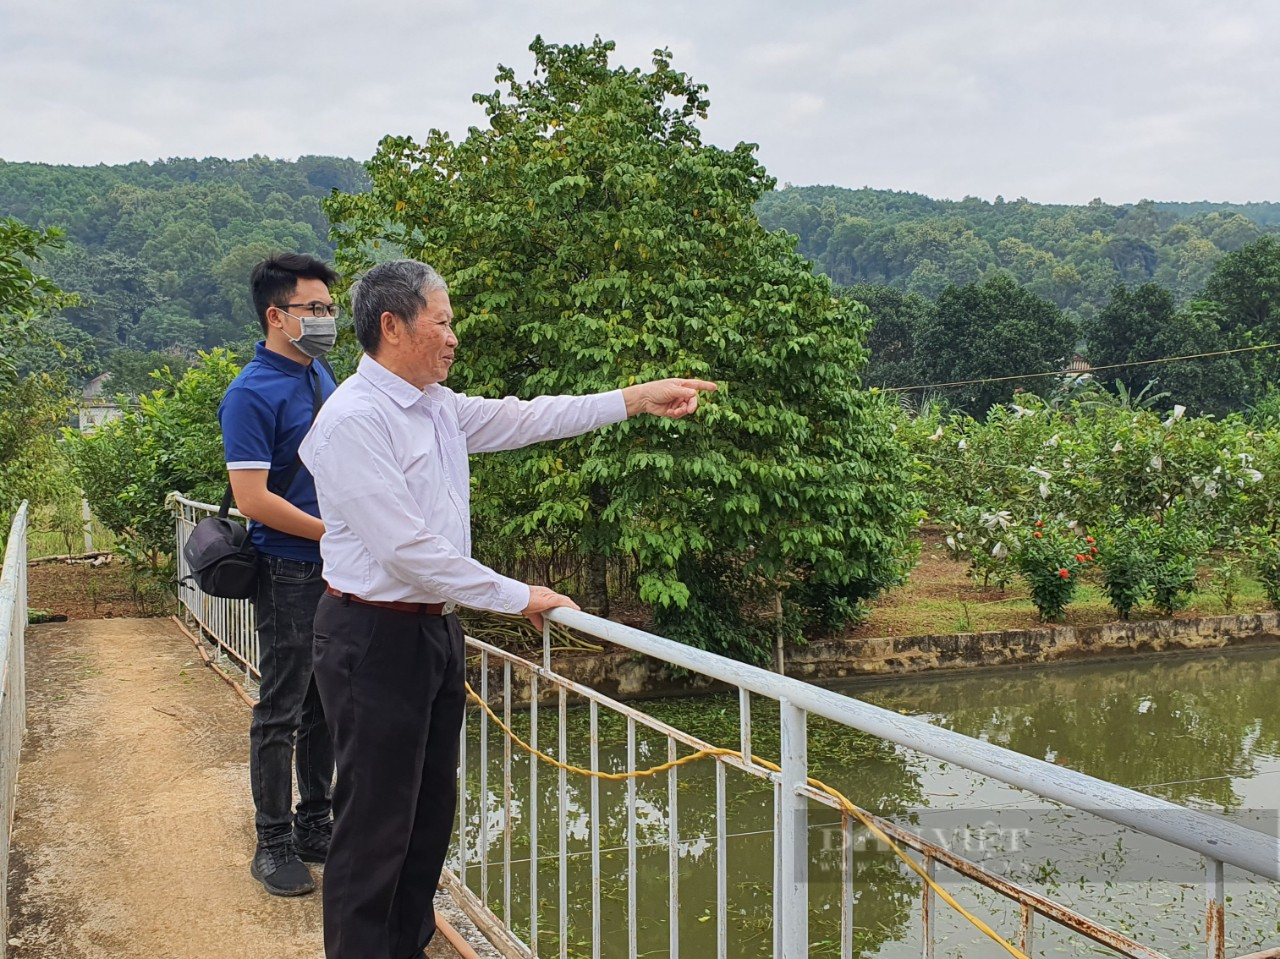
<point x="280" y="870"/>
<point x="312" y="844"/>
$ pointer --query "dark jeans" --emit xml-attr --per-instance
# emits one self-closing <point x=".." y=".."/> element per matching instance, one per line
<point x="392" y="685"/>
<point x="288" y="708"/>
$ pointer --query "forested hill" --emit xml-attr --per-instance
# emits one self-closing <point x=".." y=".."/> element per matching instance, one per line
<point x="161" y="252"/>
<point x="1070" y="255"/>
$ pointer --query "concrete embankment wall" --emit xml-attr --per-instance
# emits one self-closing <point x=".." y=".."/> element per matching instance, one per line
<point x="626" y="675"/>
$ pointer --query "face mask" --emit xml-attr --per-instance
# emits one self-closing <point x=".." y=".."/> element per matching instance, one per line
<point x="317" y="336"/>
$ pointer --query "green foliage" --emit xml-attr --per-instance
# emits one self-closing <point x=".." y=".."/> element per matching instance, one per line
<point x="171" y="442"/>
<point x="891" y="342"/>
<point x="1176" y="548"/>
<point x="1264" y="557"/>
<point x="1225" y="579"/>
<point x="982" y="330"/>
<point x="1140" y="282"/>
<point x="591" y="240"/>
<point x="1169" y="496"/>
<point x="1125" y="330"/>
<point x="1143" y="324"/>
<point x="134" y="372"/>
<point x="33" y="404"/>
<point x="981" y="536"/>
<point x="1050" y="557"/>
<point x="1082" y="459"/>
<point x="1072" y="256"/>
<point x="161" y="252"/>
<point x="1125" y="560"/>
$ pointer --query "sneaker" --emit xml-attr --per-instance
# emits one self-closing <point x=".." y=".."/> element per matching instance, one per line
<point x="280" y="870"/>
<point x="312" y="844"/>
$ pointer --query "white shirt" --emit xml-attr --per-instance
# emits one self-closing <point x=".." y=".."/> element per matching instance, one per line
<point x="394" y="486"/>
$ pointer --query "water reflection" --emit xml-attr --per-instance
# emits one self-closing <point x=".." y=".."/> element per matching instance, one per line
<point x="1195" y="730"/>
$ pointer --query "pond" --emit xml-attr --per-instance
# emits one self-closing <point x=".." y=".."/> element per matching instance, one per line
<point x="1200" y="730"/>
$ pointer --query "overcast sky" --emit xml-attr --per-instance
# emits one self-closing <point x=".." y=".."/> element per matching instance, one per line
<point x="1056" y="101"/>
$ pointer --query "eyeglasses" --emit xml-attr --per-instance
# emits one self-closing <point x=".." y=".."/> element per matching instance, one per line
<point x="316" y="308"/>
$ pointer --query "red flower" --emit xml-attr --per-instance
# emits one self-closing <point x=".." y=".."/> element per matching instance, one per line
<point x="1039" y="523"/>
<point x="1038" y="535"/>
<point x="1079" y="557"/>
<point x="1093" y="550"/>
<point x="1088" y="539"/>
<point x="1064" y="574"/>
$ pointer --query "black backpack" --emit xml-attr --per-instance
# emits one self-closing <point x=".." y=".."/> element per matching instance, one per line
<point x="219" y="554"/>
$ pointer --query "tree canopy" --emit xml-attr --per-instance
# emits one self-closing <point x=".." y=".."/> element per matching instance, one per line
<point x="1072" y="256"/>
<point x="160" y="253"/>
<point x="591" y="240"/>
<point x="33" y="403"/>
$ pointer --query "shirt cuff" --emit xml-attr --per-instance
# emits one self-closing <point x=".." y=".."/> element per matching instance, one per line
<point x="613" y="408"/>
<point x="520" y="597"/>
<point x="248" y="465"/>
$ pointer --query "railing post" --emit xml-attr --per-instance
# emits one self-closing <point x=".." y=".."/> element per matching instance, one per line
<point x="926" y="908"/>
<point x="87" y="515"/>
<point x="1215" y="932"/>
<point x="793" y="840"/>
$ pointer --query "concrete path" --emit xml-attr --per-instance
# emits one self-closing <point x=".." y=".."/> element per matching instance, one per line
<point x="134" y="824"/>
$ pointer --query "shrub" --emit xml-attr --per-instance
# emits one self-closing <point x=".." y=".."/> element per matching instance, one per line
<point x="979" y="535"/>
<point x="1176" y="548"/>
<point x="1225" y="579"/>
<point x="1125" y="561"/>
<point x="1264" y="556"/>
<point x="1050" y="557"/>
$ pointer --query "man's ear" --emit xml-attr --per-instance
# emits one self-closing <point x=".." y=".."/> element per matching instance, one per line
<point x="392" y="328"/>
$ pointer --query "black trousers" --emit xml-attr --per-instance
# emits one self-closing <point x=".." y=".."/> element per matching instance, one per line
<point x="392" y="688"/>
<point x="288" y="709"/>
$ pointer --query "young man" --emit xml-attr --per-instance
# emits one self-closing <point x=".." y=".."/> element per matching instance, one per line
<point x="265" y="413"/>
<point x="389" y="455"/>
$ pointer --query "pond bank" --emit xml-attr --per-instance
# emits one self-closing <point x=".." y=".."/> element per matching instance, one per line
<point x="626" y="675"/>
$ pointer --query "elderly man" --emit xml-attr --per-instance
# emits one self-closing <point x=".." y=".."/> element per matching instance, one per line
<point x="389" y="456"/>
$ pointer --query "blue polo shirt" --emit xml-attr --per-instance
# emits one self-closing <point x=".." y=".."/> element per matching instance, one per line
<point x="264" y="415"/>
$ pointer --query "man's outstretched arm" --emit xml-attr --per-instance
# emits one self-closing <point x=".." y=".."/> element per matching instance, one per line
<point x="672" y="398"/>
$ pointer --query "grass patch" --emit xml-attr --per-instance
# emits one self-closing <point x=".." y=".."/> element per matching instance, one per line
<point x="939" y="597"/>
<point x="59" y="531"/>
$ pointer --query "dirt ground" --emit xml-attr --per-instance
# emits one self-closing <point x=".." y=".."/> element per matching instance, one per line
<point x="134" y="821"/>
<point x="78" y="590"/>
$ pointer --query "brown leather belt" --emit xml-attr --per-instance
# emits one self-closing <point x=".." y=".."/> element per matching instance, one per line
<point x="421" y="609"/>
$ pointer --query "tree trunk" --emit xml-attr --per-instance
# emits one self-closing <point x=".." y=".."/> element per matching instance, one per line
<point x="596" y="600"/>
<point x="779" y="650"/>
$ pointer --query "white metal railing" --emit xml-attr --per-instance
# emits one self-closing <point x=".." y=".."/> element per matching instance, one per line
<point x="487" y="832"/>
<point x="227" y="622"/>
<point x="505" y="892"/>
<point x="13" y="692"/>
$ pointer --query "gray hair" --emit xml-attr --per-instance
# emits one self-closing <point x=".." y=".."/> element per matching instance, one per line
<point x="400" y="287"/>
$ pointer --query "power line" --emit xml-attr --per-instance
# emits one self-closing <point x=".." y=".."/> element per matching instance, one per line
<point x="1091" y="370"/>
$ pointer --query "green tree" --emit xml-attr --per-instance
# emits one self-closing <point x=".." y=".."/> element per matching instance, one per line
<point x="33" y="402"/>
<point x="592" y="240"/>
<point x="134" y="372"/>
<point x="170" y="442"/>
<point x="1126" y="330"/>
<point x="1217" y="385"/>
<point x="895" y="317"/>
<point x="992" y="329"/>
<point x="1245" y="292"/>
<point x="1246" y="284"/>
